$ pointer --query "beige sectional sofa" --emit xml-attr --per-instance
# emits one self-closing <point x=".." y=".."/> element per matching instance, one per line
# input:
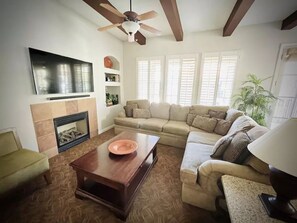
<point x="199" y="172"/>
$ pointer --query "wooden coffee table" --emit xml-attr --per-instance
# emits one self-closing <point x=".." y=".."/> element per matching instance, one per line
<point x="113" y="180"/>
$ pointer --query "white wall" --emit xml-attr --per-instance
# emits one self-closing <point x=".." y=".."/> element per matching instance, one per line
<point x="258" y="46"/>
<point x="49" y="26"/>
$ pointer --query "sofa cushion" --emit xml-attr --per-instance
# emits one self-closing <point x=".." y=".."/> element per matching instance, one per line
<point x="204" y="123"/>
<point x="153" y="124"/>
<point x="242" y="123"/>
<point x="160" y="110"/>
<point x="176" y="127"/>
<point x="203" y="109"/>
<point x="13" y="162"/>
<point x="233" y="114"/>
<point x="8" y="143"/>
<point x="19" y="167"/>
<point x="141" y="103"/>
<point x="195" y="154"/>
<point x="217" y="114"/>
<point x="178" y="112"/>
<point x="220" y="146"/>
<point x="237" y="151"/>
<point x="128" y="122"/>
<point x="141" y="113"/>
<point x="129" y="109"/>
<point x="200" y="136"/>
<point x="222" y="127"/>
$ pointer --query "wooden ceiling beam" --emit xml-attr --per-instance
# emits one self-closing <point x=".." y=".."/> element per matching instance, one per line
<point x="95" y="4"/>
<point x="171" y="12"/>
<point x="240" y="9"/>
<point x="290" y="22"/>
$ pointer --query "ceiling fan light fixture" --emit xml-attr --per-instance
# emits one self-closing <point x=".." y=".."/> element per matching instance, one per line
<point x="131" y="28"/>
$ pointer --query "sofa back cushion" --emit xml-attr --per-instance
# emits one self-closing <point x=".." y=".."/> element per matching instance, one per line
<point x="160" y="110"/>
<point x="203" y="109"/>
<point x="8" y="143"/>
<point x="204" y="123"/>
<point x="242" y="123"/>
<point x="178" y="112"/>
<point x="141" y="103"/>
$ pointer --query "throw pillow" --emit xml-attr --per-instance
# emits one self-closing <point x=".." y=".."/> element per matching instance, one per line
<point x="220" y="146"/>
<point x="206" y="124"/>
<point x="217" y="114"/>
<point x="141" y="113"/>
<point x="190" y="118"/>
<point x="257" y="132"/>
<point x="222" y="127"/>
<point x="233" y="114"/>
<point x="129" y="109"/>
<point x="237" y="150"/>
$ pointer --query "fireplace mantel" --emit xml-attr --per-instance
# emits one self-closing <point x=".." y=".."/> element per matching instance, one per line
<point x="44" y="113"/>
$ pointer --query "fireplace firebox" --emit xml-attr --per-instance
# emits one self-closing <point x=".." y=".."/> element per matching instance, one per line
<point x="71" y="130"/>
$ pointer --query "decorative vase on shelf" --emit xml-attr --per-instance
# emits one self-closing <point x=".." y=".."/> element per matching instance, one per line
<point x="107" y="62"/>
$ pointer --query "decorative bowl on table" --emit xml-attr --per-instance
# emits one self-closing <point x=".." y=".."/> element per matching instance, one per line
<point x="122" y="147"/>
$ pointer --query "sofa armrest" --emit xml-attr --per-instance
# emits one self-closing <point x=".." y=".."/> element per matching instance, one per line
<point x="210" y="172"/>
<point x="122" y="114"/>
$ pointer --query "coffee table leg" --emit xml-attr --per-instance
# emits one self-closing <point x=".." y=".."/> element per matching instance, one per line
<point x="124" y="201"/>
<point x="155" y="157"/>
<point x="80" y="183"/>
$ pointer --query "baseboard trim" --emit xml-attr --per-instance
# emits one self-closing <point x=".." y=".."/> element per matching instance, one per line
<point x="106" y="129"/>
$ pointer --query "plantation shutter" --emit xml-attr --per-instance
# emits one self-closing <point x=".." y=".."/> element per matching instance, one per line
<point x="142" y="83"/>
<point x="149" y="73"/>
<point x="217" y="77"/>
<point x="180" y="80"/>
<point x="209" y="79"/>
<point x="154" y="80"/>
<point x="226" y="79"/>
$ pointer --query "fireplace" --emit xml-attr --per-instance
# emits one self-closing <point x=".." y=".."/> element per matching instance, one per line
<point x="71" y="130"/>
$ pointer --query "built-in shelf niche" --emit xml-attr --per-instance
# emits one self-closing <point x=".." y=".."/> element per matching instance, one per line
<point x="112" y="81"/>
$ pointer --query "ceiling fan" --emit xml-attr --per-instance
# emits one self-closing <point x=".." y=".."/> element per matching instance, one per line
<point x="131" y="21"/>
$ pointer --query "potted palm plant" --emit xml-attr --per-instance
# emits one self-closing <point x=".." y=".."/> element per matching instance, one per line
<point x="253" y="99"/>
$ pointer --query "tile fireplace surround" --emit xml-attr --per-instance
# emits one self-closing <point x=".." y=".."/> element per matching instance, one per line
<point x="44" y="113"/>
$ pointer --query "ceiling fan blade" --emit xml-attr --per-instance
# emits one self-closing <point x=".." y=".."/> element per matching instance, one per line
<point x="150" y="29"/>
<point x="112" y="9"/>
<point x="108" y="27"/>
<point x="147" y="15"/>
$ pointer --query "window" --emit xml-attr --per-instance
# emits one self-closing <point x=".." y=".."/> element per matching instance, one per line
<point x="149" y="73"/>
<point x="217" y="77"/>
<point x="179" y="84"/>
<point x="180" y="79"/>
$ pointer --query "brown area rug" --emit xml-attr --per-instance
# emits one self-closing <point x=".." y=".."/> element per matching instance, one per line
<point x="158" y="200"/>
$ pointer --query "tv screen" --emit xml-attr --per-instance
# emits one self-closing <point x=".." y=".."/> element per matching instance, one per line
<point x="55" y="74"/>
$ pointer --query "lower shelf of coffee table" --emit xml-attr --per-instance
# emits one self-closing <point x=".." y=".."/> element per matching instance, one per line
<point x="111" y="197"/>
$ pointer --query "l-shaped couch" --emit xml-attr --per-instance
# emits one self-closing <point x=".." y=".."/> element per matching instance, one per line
<point x="199" y="172"/>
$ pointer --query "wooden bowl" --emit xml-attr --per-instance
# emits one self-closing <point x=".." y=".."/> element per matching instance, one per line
<point x="122" y="147"/>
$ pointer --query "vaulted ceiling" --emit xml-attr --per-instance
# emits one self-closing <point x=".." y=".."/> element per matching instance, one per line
<point x="179" y="17"/>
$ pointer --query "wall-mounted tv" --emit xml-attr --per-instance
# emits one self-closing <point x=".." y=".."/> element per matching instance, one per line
<point x="55" y="74"/>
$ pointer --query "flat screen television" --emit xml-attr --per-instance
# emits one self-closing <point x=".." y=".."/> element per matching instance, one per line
<point x="55" y="74"/>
